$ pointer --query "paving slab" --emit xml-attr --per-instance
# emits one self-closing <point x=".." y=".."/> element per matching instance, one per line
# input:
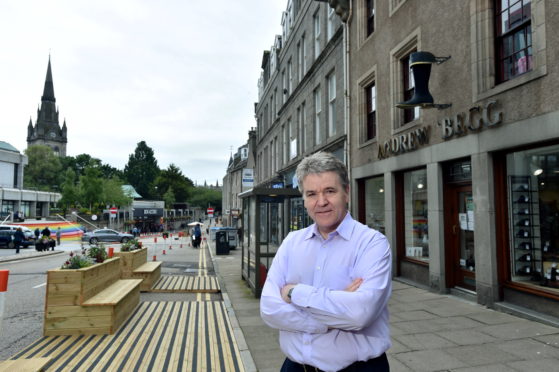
<point x="529" y="349"/>
<point x="467" y="337"/>
<point x="543" y="365"/>
<point x="429" y="360"/>
<point x="422" y="341"/>
<point x="479" y="355"/>
<point x="519" y="329"/>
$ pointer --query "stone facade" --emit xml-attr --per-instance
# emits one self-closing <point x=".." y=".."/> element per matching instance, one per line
<point x="469" y="150"/>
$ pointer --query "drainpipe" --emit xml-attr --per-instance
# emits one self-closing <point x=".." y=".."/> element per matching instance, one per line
<point x="347" y="111"/>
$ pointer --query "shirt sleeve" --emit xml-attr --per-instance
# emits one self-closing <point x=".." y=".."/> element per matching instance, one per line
<point x="352" y="311"/>
<point x="277" y="313"/>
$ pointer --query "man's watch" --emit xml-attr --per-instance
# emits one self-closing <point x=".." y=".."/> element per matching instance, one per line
<point x="289" y="292"/>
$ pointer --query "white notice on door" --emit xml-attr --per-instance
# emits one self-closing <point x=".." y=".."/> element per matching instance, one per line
<point x="463" y="217"/>
<point x="471" y="220"/>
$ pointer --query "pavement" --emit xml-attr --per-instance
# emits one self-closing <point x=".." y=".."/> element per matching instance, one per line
<point x="430" y="332"/>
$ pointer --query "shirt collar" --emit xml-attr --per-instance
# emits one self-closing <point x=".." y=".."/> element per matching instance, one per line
<point x="344" y="229"/>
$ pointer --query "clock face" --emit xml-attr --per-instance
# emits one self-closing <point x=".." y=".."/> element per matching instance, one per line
<point x="52" y="134"/>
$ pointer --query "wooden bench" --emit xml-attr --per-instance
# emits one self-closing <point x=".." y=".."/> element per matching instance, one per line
<point x="92" y="300"/>
<point x="134" y="265"/>
<point x="24" y="365"/>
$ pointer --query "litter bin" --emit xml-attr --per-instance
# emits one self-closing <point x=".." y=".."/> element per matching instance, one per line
<point x="231" y="236"/>
<point x="213" y="230"/>
<point x="221" y="243"/>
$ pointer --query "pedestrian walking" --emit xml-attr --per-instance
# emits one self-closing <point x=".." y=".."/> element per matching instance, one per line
<point x="19" y="237"/>
<point x="58" y="236"/>
<point x="328" y="287"/>
<point x="37" y="233"/>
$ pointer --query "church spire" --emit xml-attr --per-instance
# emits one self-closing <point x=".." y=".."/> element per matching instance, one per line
<point x="48" y="92"/>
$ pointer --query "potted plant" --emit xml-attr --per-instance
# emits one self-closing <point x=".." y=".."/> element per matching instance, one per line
<point x="97" y="253"/>
<point x="77" y="261"/>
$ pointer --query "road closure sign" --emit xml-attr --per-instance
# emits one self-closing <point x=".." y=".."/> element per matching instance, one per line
<point x="210" y="212"/>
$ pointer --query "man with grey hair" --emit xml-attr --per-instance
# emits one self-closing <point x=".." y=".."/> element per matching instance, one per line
<point x="328" y="287"/>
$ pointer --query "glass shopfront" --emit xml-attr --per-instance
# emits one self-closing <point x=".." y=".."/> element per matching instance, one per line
<point x="299" y="218"/>
<point x="415" y="215"/>
<point x="533" y="216"/>
<point x="374" y="204"/>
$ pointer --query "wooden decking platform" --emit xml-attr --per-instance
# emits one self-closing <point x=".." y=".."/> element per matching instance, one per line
<point x="159" y="336"/>
<point x="185" y="283"/>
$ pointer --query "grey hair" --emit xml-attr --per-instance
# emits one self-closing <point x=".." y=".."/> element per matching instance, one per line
<point x="321" y="162"/>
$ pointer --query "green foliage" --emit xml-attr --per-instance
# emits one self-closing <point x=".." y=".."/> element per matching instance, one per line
<point x="113" y="194"/>
<point x="172" y="178"/>
<point x="142" y="170"/>
<point x="77" y="261"/>
<point x="97" y="253"/>
<point x="43" y="169"/>
<point x="202" y="197"/>
<point x="130" y="245"/>
<point x="91" y="187"/>
<point x="70" y="192"/>
<point x="169" y="198"/>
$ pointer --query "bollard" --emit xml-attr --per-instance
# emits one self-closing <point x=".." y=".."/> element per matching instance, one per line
<point x="180" y="246"/>
<point x="170" y="247"/>
<point x="154" y="258"/>
<point x="164" y="252"/>
<point x="111" y="252"/>
<point x="155" y="239"/>
<point x="3" y="288"/>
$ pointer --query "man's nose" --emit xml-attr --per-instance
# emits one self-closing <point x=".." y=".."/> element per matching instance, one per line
<point x="322" y="199"/>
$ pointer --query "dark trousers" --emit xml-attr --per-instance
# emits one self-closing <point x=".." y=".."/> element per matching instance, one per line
<point x="378" y="364"/>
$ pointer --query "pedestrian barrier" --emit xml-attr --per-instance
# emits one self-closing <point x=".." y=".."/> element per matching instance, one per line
<point x="91" y="300"/>
<point x="134" y="265"/>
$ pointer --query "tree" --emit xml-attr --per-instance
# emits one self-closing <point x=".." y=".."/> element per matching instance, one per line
<point x="43" y="169"/>
<point x="70" y="192"/>
<point x="172" y="178"/>
<point x="91" y="187"/>
<point x="113" y="193"/>
<point x="202" y="197"/>
<point x="142" y="170"/>
<point x="169" y="198"/>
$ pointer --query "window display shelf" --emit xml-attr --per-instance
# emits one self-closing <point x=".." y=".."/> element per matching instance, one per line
<point x="526" y="254"/>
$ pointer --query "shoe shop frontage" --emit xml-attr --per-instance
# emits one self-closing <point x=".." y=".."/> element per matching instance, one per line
<point x="470" y="204"/>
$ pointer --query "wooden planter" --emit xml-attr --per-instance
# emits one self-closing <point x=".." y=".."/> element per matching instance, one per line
<point x="131" y="260"/>
<point x="134" y="265"/>
<point x="91" y="300"/>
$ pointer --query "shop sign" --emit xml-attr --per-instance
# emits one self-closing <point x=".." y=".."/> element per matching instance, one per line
<point x="235" y="212"/>
<point x="248" y="177"/>
<point x="476" y="119"/>
<point x="141" y="212"/>
<point x="404" y="143"/>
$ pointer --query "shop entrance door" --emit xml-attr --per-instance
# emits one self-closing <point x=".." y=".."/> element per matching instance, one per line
<point x="459" y="237"/>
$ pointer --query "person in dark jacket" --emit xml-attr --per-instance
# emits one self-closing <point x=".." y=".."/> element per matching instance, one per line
<point x="19" y="237"/>
<point x="37" y="233"/>
<point x="46" y="232"/>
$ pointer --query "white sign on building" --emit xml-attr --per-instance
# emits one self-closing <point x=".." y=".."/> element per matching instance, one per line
<point x="248" y="177"/>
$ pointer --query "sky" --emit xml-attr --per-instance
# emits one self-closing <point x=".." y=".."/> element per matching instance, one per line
<point x="180" y="75"/>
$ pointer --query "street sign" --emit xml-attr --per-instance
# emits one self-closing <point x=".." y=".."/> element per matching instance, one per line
<point x="114" y="211"/>
<point x="210" y="212"/>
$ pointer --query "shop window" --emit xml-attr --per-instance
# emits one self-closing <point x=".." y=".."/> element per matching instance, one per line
<point x="374" y="204"/>
<point x="533" y="203"/>
<point x="415" y="215"/>
<point x="513" y="38"/>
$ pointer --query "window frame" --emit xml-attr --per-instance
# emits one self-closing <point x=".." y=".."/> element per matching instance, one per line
<point x="370" y="112"/>
<point x="317" y="112"/>
<point x="331" y="80"/>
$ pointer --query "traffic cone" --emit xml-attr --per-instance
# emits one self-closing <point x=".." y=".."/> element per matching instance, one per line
<point x="154" y="258"/>
<point x="164" y="252"/>
<point x="180" y="246"/>
<point x="170" y="247"/>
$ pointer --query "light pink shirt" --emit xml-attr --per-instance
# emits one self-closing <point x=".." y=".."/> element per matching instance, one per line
<point x="325" y="326"/>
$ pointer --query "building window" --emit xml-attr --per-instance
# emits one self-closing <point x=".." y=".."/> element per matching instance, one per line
<point x="374" y="204"/>
<point x="283" y="86"/>
<point x="331" y="104"/>
<point x="330" y="25"/>
<point x="415" y="215"/>
<point x="299" y="62"/>
<point x="292" y="125"/>
<point x="513" y="38"/>
<point x="370" y="14"/>
<point x="317" y="111"/>
<point x="371" y="111"/>
<point x="303" y="126"/>
<point x="316" y="28"/>
<point x="289" y="77"/>
<point x="408" y="87"/>
<point x="533" y="191"/>
<point x="304" y="47"/>
<point x="285" y="145"/>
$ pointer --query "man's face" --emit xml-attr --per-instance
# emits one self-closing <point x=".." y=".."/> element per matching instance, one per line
<point x="326" y="200"/>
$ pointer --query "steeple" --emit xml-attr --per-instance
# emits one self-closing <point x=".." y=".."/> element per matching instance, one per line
<point x="48" y="92"/>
